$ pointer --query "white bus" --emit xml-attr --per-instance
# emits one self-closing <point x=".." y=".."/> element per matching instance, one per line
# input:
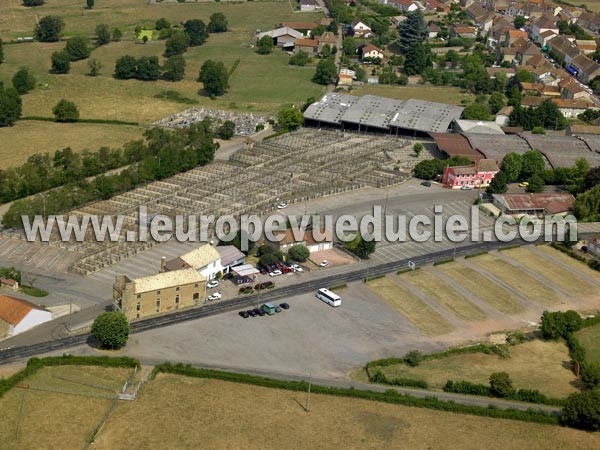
<point x="329" y="297"/>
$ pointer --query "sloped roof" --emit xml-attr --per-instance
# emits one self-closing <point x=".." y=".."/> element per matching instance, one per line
<point x="229" y="254"/>
<point x="13" y="310"/>
<point x="306" y="43"/>
<point x="454" y="144"/>
<point x="166" y="280"/>
<point x="552" y="202"/>
<point x="201" y="256"/>
<point x="478" y="126"/>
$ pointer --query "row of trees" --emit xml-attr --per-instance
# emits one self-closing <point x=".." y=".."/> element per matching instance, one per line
<point x="164" y="154"/>
<point x="147" y="68"/>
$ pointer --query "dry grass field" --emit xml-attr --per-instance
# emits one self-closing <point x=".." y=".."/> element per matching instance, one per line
<point x="444" y="294"/>
<point x="445" y="94"/>
<point x="57" y="420"/>
<point x="590" y="339"/>
<point x="27" y="137"/>
<point x="493" y="294"/>
<point x="560" y="277"/>
<point x="532" y="365"/>
<point x="534" y="290"/>
<point x="177" y="412"/>
<point x="566" y="259"/>
<point x="415" y="310"/>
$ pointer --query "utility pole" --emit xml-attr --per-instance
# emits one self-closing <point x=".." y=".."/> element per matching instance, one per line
<point x="387" y="193"/>
<point x="70" y="313"/>
<point x="308" y="394"/>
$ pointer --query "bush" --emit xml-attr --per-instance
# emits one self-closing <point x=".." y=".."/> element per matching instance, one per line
<point x="78" y="48"/>
<point x="11" y="107"/>
<point x="226" y="130"/>
<point x="111" y="329"/>
<point x="582" y="410"/>
<point x="501" y="385"/>
<point x="65" y="111"/>
<point x="413" y="358"/>
<point x="48" y="29"/>
<point x="23" y="81"/>
<point x="590" y="375"/>
<point x="298" y="252"/>
<point x="466" y="387"/>
<point x="61" y="62"/>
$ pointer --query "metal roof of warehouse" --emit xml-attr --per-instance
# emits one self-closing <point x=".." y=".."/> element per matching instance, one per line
<point x="562" y="151"/>
<point x="381" y="112"/>
<point x="496" y="146"/>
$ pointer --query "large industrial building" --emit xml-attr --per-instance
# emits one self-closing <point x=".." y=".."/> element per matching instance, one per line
<point x="374" y="114"/>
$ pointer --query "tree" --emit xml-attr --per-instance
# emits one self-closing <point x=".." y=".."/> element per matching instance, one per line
<point x="218" y="23"/>
<point x="501" y="385"/>
<point x="587" y="205"/>
<point x="519" y="22"/>
<point x="498" y="184"/>
<point x="361" y="247"/>
<point x="1" y="52"/>
<point x="215" y="77"/>
<point x="511" y="166"/>
<point x="418" y="57"/>
<point x="177" y="44"/>
<point x="496" y="102"/>
<point x="162" y="24"/>
<point x="226" y="130"/>
<point x="590" y="375"/>
<point x="560" y="324"/>
<point x="90" y="4"/>
<point x="174" y="68"/>
<point x="525" y="76"/>
<point x="418" y="148"/>
<point x="532" y="163"/>
<point x="265" y="45"/>
<point x="592" y="178"/>
<point x="77" y="47"/>
<point x="325" y="72"/>
<point x="117" y="35"/>
<point x="413" y="358"/>
<point x="412" y="30"/>
<point x="196" y="30"/>
<point x="48" y="29"/>
<point x="125" y="67"/>
<point x="111" y="329"/>
<point x="65" y="111"/>
<point x="147" y="68"/>
<point x="10" y="106"/>
<point x="30" y="3"/>
<point x="23" y="81"/>
<point x="61" y="62"/>
<point x="476" y="111"/>
<point x="298" y="253"/>
<point x="349" y="46"/>
<point x="582" y="410"/>
<point x="102" y="34"/>
<point x="94" y="65"/>
<point x="289" y="119"/>
<point x="299" y="59"/>
<point x="536" y="184"/>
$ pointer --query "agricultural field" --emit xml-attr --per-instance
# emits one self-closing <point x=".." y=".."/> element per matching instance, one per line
<point x="409" y="305"/>
<point x="442" y="94"/>
<point x="58" y="407"/>
<point x="532" y="365"/>
<point x="590" y="339"/>
<point x="179" y="412"/>
<point x="259" y="83"/>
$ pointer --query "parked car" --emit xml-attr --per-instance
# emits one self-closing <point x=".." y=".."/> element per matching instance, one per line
<point x="284" y="305"/>
<point x="277" y="309"/>
<point x="252" y="312"/>
<point x="275" y="273"/>
<point x="524" y="184"/>
<point x="297" y="268"/>
<point x="426" y="183"/>
<point x="212" y="284"/>
<point x="282" y="205"/>
<point x="244" y="314"/>
<point x="215" y="296"/>
<point x="466" y="187"/>
<point x="324" y="263"/>
<point x="260" y="312"/>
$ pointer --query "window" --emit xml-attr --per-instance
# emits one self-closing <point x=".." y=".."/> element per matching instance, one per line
<point x="139" y="296"/>
<point x="196" y="285"/>
<point x="157" y="292"/>
<point x="137" y="315"/>
<point x="177" y="302"/>
<point x="177" y="289"/>
<point x="158" y="305"/>
<point x="138" y="306"/>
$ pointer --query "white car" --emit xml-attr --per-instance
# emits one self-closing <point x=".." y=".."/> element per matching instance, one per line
<point x="212" y="284"/>
<point x="324" y="263"/>
<point x="282" y="205"/>
<point x="215" y="296"/>
<point x="297" y="268"/>
<point x="275" y="273"/>
<point x="466" y="187"/>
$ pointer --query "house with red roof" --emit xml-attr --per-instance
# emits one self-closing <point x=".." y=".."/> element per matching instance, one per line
<point x="17" y="315"/>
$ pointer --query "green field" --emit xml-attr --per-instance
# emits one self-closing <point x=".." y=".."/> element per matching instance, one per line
<point x="590" y="339"/>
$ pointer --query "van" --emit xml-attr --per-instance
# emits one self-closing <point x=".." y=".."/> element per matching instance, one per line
<point x="269" y="308"/>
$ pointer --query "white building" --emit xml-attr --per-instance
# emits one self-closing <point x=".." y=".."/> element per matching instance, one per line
<point x="206" y="260"/>
<point x="18" y="315"/>
<point x="309" y="5"/>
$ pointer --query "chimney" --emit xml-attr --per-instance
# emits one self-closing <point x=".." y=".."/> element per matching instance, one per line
<point x="163" y="264"/>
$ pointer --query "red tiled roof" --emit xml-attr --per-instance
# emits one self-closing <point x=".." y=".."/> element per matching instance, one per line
<point x="455" y="145"/>
<point x="552" y="203"/>
<point x="13" y="310"/>
<point x="301" y="42"/>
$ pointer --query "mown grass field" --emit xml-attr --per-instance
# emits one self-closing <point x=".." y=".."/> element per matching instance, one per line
<point x="572" y="262"/>
<point x="444" y="294"/>
<point x="178" y="412"/>
<point x="442" y="94"/>
<point x="533" y="365"/>
<point x="590" y="339"/>
<point x="261" y="83"/>
<point x="413" y="308"/>
<point x="57" y="420"/>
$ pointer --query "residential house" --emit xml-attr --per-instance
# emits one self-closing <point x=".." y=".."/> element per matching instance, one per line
<point x="503" y="116"/>
<point x="586" y="46"/>
<point x="282" y="37"/>
<point x="326" y="38"/>
<point x="550" y="91"/>
<point x="154" y="294"/>
<point x="17" y="315"/>
<point x="205" y="259"/>
<point x="433" y="30"/>
<point x="511" y="35"/>
<point x="508" y="54"/>
<point x="525" y="52"/>
<point x="587" y="69"/>
<point x="309" y="5"/>
<point x="315" y="241"/>
<point x="344" y="80"/>
<point x="361" y="29"/>
<point x="403" y="5"/>
<point x="572" y="108"/>
<point x="370" y="51"/>
<point x="435" y="5"/>
<point x="397" y="20"/>
<point x="533" y="204"/>
<point x="476" y="11"/>
<point x="562" y="49"/>
<point x="532" y="88"/>
<point x="310" y="46"/>
<point x="546" y="22"/>
<point x="463" y="31"/>
<point x="546" y="36"/>
<point x="9" y="283"/>
<point x="477" y="176"/>
<point x="570" y="89"/>
<point x="590" y="21"/>
<point x="492" y="71"/>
